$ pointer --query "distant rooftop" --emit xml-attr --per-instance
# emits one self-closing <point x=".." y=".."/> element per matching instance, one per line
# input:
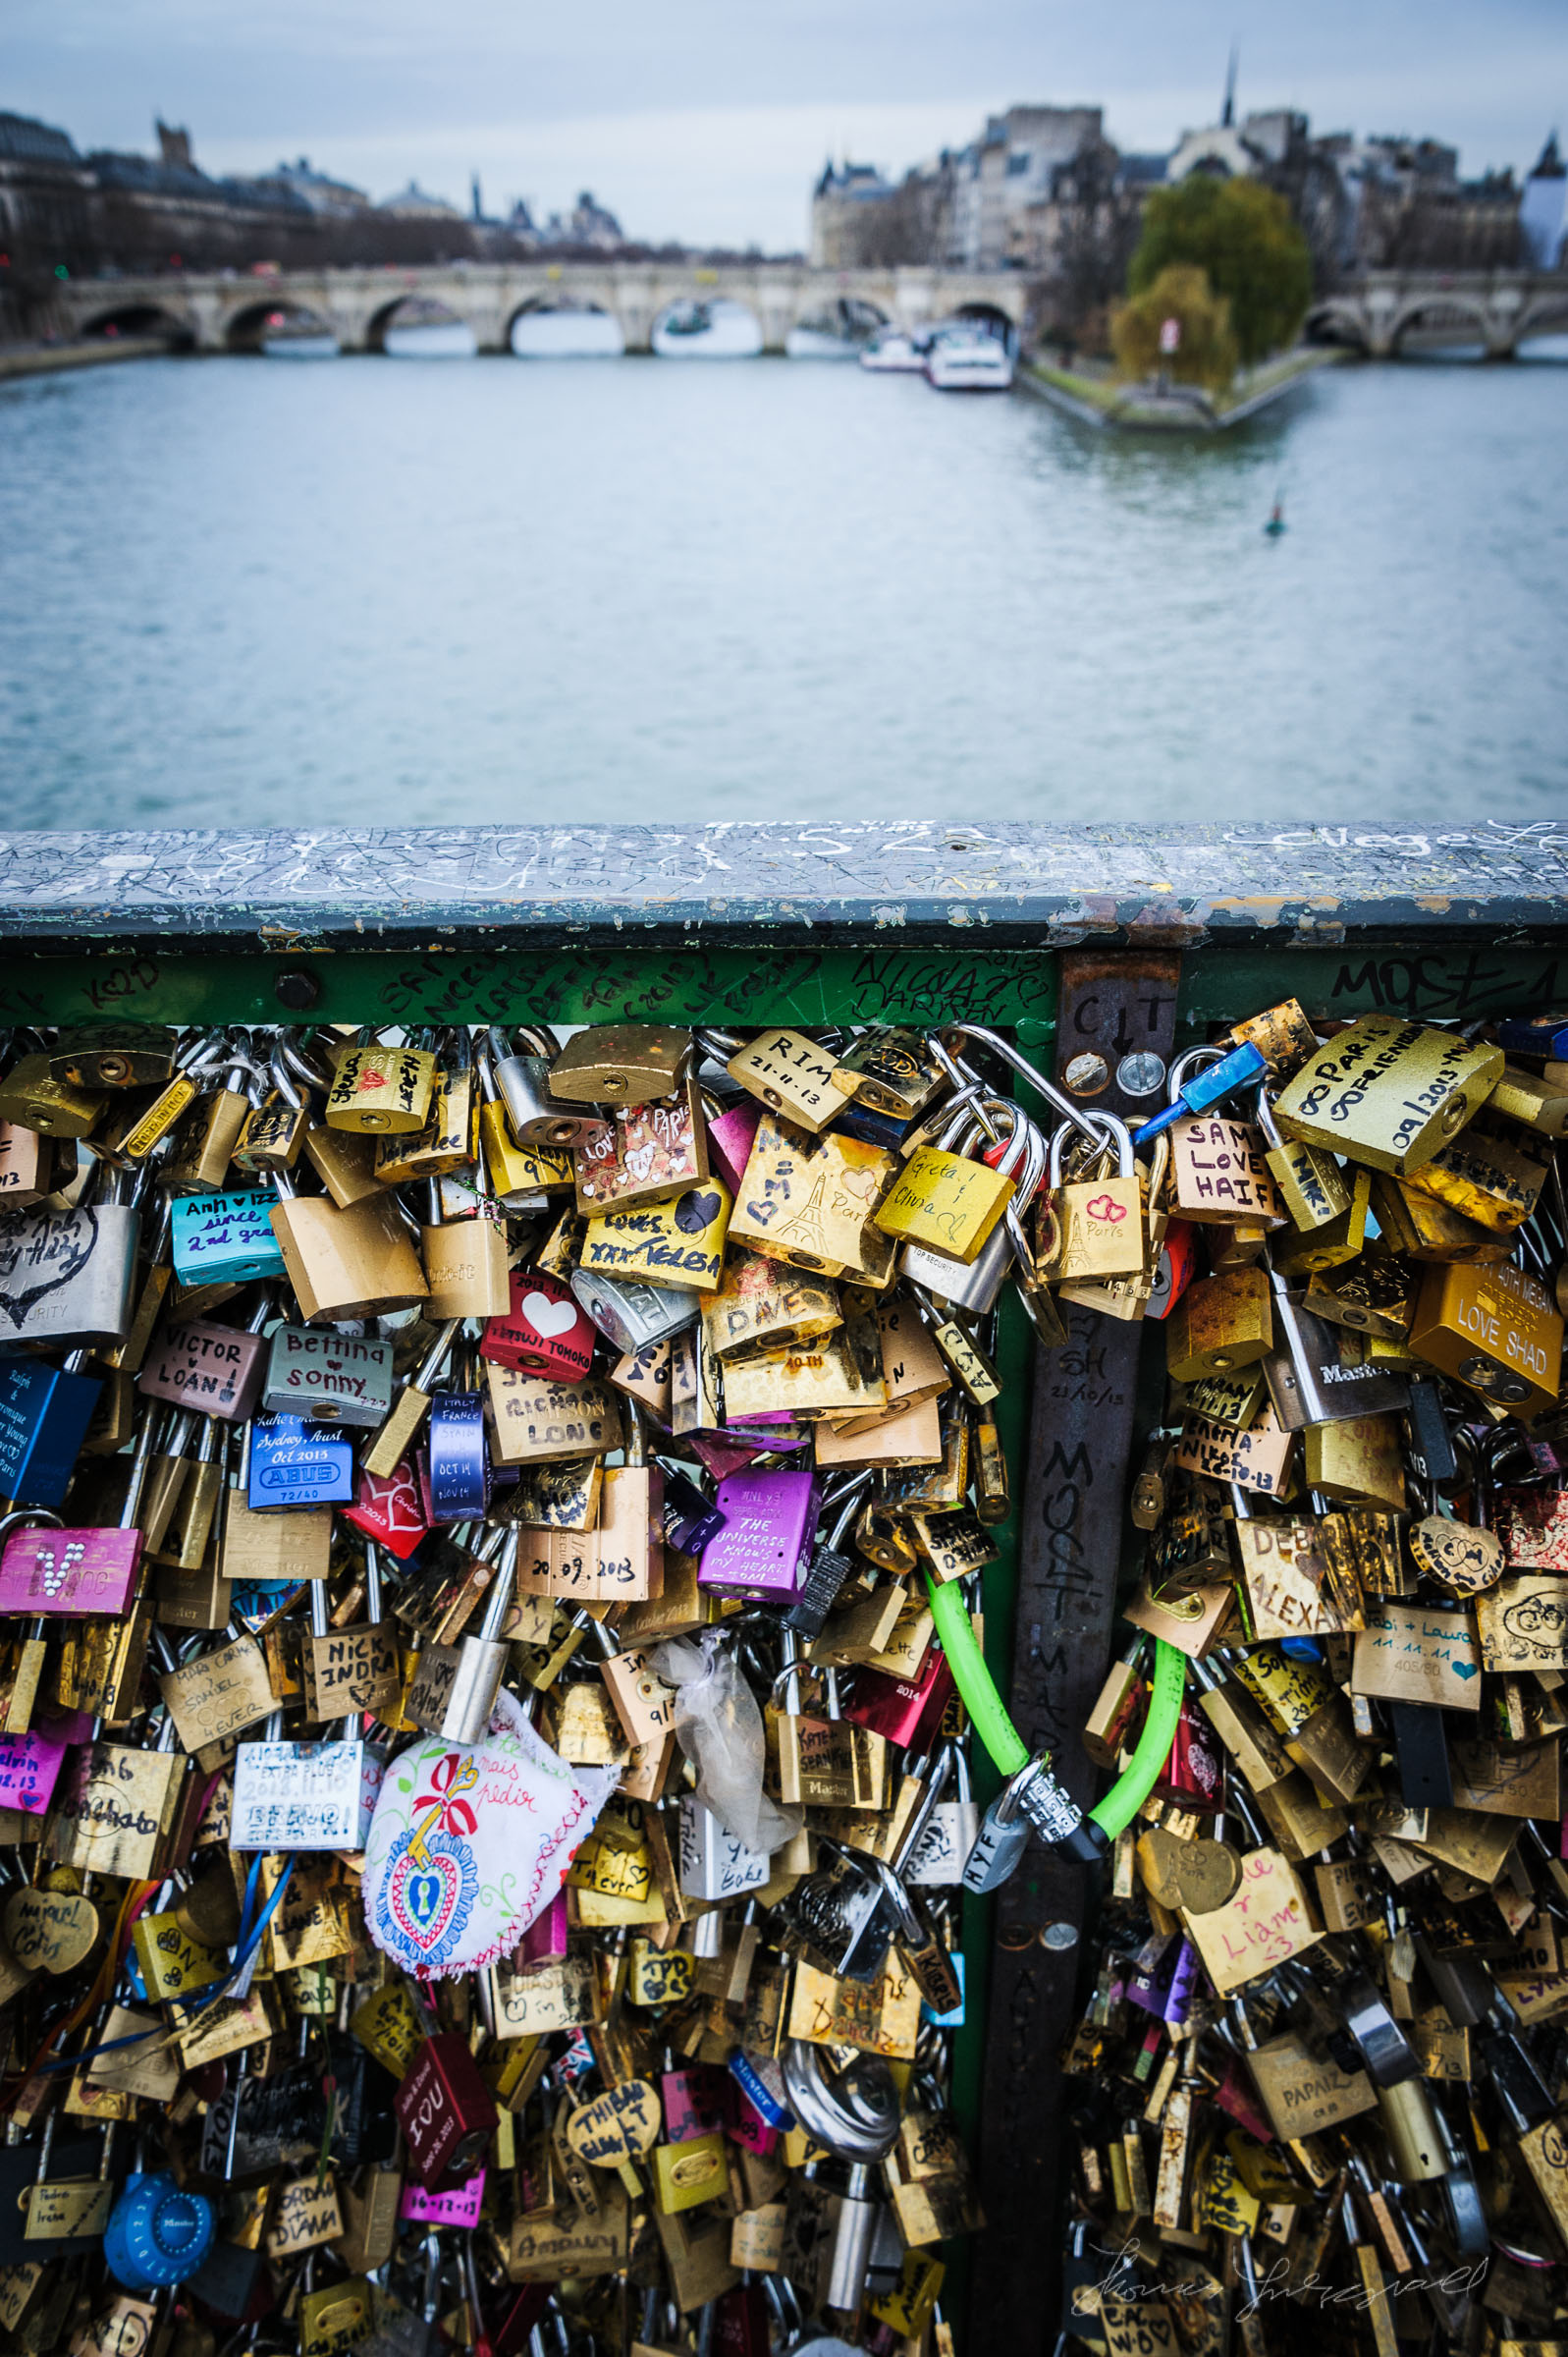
<point x="23" y="139"/>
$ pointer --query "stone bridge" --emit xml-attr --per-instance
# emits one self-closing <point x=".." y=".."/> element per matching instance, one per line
<point x="1497" y="309"/>
<point x="225" y="313"/>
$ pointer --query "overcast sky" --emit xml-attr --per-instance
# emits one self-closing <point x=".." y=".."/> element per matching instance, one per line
<point x="705" y="120"/>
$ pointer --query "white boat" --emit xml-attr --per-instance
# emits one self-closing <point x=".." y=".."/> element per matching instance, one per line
<point x="967" y="360"/>
<point x="893" y="353"/>
<point x="707" y="331"/>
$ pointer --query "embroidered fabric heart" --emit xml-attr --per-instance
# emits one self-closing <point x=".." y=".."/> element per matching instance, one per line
<point x="694" y="1212"/>
<point x="550" y="1318"/>
<point x="471" y="1843"/>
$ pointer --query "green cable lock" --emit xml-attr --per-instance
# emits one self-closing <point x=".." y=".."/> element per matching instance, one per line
<point x="1002" y="1739"/>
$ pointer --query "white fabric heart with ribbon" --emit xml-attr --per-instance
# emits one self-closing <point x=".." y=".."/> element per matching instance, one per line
<point x="471" y="1842"/>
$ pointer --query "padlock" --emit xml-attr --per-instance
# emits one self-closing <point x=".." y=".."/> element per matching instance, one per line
<point x="354" y="1669"/>
<point x="446" y="1142"/>
<point x="454" y="1690"/>
<point x="464" y="1262"/>
<point x="344" y="1264"/>
<point x="617" y="1064"/>
<point x="69" y="1275"/>
<point x="1388" y="1094"/>
<point x="208" y="1133"/>
<point x="158" y="2232"/>
<point x="32" y="1098"/>
<point x="459" y="1463"/>
<point x="536" y="1116"/>
<point x="1221" y="1324"/>
<point x="443" y="2108"/>
<point x="631" y="1313"/>
<point x="386" y="1089"/>
<point x="305" y="1796"/>
<point x="942" y="1852"/>
<point x="648" y="1152"/>
<point x="764" y="1546"/>
<point x="945" y="1202"/>
<point x="44" y="1415"/>
<point x="226" y="1238"/>
<point x="974" y="1286"/>
<point x="275" y="1127"/>
<point x="330" y="1377"/>
<point x="410" y="1407"/>
<point x="293" y="1462"/>
<point x="889" y="1068"/>
<point x="788" y="1072"/>
<point x="808" y="1202"/>
<point x="1099" y="1222"/>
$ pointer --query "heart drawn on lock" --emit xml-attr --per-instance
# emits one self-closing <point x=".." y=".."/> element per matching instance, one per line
<point x="59" y="1242"/>
<point x="427" y="1897"/>
<point x="549" y="1318"/>
<point x="1105" y="1210"/>
<point x="694" y="1212"/>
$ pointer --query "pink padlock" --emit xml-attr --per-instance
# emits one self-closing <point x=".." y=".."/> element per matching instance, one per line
<point x="695" y="2102"/>
<point x="545" y="1939"/>
<point x="765" y="1545"/>
<point x="68" y="1571"/>
<point x="730" y="1139"/>
<point x="545" y="1330"/>
<point x="454" y="2205"/>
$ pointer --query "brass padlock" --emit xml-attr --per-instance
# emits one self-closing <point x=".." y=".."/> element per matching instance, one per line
<point x="1220" y="1324"/>
<point x="465" y="1262"/>
<point x="115" y="1056"/>
<point x="382" y="1088"/>
<point x="792" y="1074"/>
<point x="809" y="1202"/>
<point x="1098" y="1223"/>
<point x="1487" y="1179"/>
<point x="344" y="1264"/>
<point x="33" y="1097"/>
<point x="620" y="1063"/>
<point x="1389" y="1093"/>
<point x="447" y="1142"/>
<point x="945" y="1201"/>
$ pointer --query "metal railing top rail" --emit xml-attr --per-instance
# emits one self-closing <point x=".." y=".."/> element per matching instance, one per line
<point x="1006" y="885"/>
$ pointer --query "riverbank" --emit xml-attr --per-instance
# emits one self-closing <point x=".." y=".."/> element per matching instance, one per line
<point x="43" y="360"/>
<point x="1097" y="398"/>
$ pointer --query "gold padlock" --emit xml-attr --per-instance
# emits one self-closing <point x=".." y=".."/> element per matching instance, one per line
<point x="1495" y="1328"/>
<point x="465" y="1262"/>
<point x="1389" y="1093"/>
<point x="382" y="1088"/>
<point x="33" y="1097"/>
<point x="809" y="1201"/>
<point x="357" y="1263"/>
<point x="619" y="1064"/>
<point x="1220" y="1324"/>
<point x="946" y="1201"/>
<point x="447" y="1142"/>
<point x="1099" y="1220"/>
<point x="1486" y="1178"/>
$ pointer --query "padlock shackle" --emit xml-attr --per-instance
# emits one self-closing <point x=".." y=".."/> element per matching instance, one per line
<point x="1020" y="1065"/>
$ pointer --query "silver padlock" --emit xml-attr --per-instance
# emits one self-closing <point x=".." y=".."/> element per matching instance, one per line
<point x="69" y="1275"/>
<point x="536" y="1116"/>
<point x="997" y="1848"/>
<point x="454" y="1688"/>
<point x="633" y="1315"/>
<point x="305" y="1796"/>
<point x="940" y="1854"/>
<point x="334" y="1377"/>
<point x="714" y="1863"/>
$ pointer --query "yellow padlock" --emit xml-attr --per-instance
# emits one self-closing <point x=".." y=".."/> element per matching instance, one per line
<point x="382" y="1088"/>
<point x="1099" y="1221"/>
<point x="941" y="1200"/>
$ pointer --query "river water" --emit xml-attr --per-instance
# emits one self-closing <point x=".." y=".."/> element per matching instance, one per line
<point x="250" y="592"/>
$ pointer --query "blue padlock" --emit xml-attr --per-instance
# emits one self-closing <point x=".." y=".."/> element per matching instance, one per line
<point x="1242" y="1067"/>
<point x="157" y="2233"/>
<point x="226" y="1238"/>
<point x="44" y="1414"/>
<point x="295" y="1461"/>
<point x="459" y="1465"/>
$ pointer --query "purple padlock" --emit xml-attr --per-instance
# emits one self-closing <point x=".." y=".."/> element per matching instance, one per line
<point x="765" y="1545"/>
<point x="68" y="1571"/>
<point x="460" y="1467"/>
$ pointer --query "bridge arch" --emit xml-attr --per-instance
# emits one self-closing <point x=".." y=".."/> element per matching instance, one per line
<point x="247" y="329"/>
<point x="1547" y="315"/>
<point x="1440" y="310"/>
<point x="413" y="315"/>
<point x="135" y="318"/>
<point x="561" y="325"/>
<point x="993" y="318"/>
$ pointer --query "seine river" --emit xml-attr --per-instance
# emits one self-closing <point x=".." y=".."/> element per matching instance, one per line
<point x="261" y="592"/>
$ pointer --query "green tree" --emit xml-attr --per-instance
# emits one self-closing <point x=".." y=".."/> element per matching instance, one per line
<point x="1243" y="236"/>
<point x="1206" y="353"/>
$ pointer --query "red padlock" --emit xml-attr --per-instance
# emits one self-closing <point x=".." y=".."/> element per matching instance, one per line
<point x="545" y="1330"/>
<point x="445" y="2110"/>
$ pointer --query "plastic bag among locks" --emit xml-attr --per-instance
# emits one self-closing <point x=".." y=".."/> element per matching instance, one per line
<point x="471" y="1841"/>
<point x="719" y="1730"/>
